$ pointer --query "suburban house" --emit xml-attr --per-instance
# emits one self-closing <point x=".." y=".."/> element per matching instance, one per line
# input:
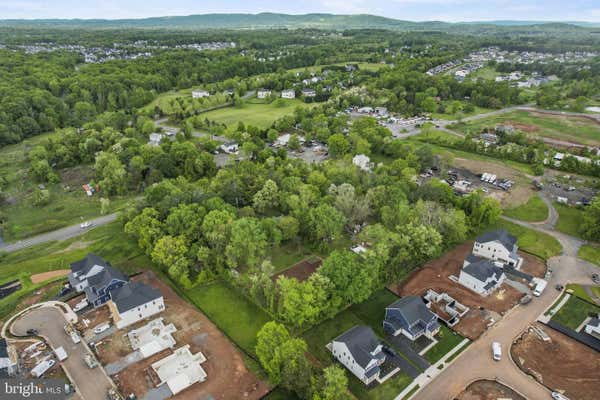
<point x="263" y="93"/>
<point x="196" y="94"/>
<point x="593" y="327"/>
<point x="283" y="140"/>
<point x="481" y="275"/>
<point x="360" y="351"/>
<point x="7" y="366"/>
<point x="180" y="370"/>
<point x="230" y="148"/>
<point x="134" y="302"/>
<point x="411" y="317"/>
<point x="155" y="139"/>
<point x="309" y="92"/>
<point x="288" y="94"/>
<point x="100" y="285"/>
<point x="498" y="245"/>
<point x="83" y="270"/>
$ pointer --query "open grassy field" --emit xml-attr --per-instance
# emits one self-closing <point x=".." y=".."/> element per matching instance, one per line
<point x="257" y="114"/>
<point x="579" y="291"/>
<point x="487" y="73"/>
<point x="534" y="210"/>
<point x="361" y="65"/>
<point x="569" y="219"/>
<point x="531" y="241"/>
<point x="237" y="317"/>
<point x="568" y="128"/>
<point x="461" y="114"/>
<point x="574" y="312"/>
<point x="590" y="253"/>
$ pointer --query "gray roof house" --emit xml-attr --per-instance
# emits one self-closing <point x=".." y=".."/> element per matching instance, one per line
<point x="481" y="275"/>
<point x="593" y="327"/>
<point x="360" y="351"/>
<point x="411" y="317"/>
<point x="134" y="302"/>
<point x="498" y="245"/>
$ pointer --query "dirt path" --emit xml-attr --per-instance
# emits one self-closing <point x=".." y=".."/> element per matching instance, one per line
<point x="488" y="390"/>
<point x="45" y="276"/>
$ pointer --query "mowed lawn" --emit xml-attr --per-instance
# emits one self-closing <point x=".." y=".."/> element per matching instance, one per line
<point x="235" y="315"/>
<point x="534" y="210"/>
<point x="573" y="129"/>
<point x="447" y="340"/>
<point x="569" y="219"/>
<point x="574" y="312"/>
<point x="590" y="253"/>
<point x="257" y="114"/>
<point x="531" y="241"/>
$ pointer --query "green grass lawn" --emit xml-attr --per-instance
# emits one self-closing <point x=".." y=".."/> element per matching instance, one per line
<point x="534" y="210"/>
<point x="436" y="135"/>
<point x="579" y="291"/>
<point x="487" y="73"/>
<point x="256" y="114"/>
<point x="447" y="340"/>
<point x="590" y="253"/>
<point x="462" y="114"/>
<point x="531" y="241"/>
<point x="281" y="394"/>
<point x="237" y="317"/>
<point x="288" y="254"/>
<point x="389" y="390"/>
<point x="574" y="129"/>
<point x="574" y="312"/>
<point x="569" y="219"/>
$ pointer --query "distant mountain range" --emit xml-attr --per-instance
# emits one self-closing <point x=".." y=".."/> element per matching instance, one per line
<point x="272" y="20"/>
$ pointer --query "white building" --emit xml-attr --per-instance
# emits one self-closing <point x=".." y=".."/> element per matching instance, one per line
<point x="180" y="370"/>
<point x="155" y="139"/>
<point x="360" y="351"/>
<point x="196" y="94"/>
<point x="284" y="139"/>
<point x="309" y="92"/>
<point x="362" y="161"/>
<point x="134" y="302"/>
<point x="288" y="94"/>
<point x="593" y="327"/>
<point x="263" y="93"/>
<point x="500" y="246"/>
<point x="230" y="148"/>
<point x="481" y="275"/>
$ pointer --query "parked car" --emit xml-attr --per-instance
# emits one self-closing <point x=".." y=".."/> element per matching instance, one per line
<point x="596" y="278"/>
<point x="526" y="299"/>
<point x="85" y="224"/>
<point x="559" y="396"/>
<point x="559" y="287"/>
<point x="32" y="332"/>
<point x="496" y="351"/>
<point x="101" y="328"/>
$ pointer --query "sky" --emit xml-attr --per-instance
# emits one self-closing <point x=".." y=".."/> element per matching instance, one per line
<point x="413" y="10"/>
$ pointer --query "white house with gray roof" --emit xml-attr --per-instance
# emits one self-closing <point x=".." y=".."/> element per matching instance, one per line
<point x="500" y="246"/>
<point x="481" y="275"/>
<point x="134" y="302"/>
<point x="593" y="327"/>
<point x="360" y="351"/>
<point x="410" y="317"/>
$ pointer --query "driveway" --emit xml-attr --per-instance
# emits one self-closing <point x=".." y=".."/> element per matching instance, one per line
<point x="59" y="234"/>
<point x="91" y="384"/>
<point x="476" y="361"/>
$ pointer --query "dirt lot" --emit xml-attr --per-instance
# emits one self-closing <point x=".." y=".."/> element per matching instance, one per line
<point x="301" y="270"/>
<point x="488" y="390"/>
<point x="93" y="318"/>
<point x="435" y="275"/>
<point x="228" y="377"/>
<point x="44" y="276"/>
<point x="533" y="265"/>
<point x="562" y="364"/>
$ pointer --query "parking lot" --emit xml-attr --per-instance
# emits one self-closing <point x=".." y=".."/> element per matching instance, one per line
<point x="92" y="384"/>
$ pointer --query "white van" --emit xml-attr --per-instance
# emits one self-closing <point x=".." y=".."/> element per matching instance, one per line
<point x="101" y="328"/>
<point x="496" y="351"/>
<point x="540" y="285"/>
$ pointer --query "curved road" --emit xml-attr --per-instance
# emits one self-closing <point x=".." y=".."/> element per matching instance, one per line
<point x="476" y="361"/>
<point x="59" y="234"/>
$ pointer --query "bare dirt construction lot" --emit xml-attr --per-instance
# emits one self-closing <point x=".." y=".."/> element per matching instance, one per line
<point x="44" y="276"/>
<point x="488" y="390"/>
<point x="228" y="377"/>
<point x="533" y="265"/>
<point x="435" y="275"/>
<point x="562" y="364"/>
<point x="302" y="270"/>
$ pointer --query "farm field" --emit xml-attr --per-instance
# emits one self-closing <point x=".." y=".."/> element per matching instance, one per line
<point x="568" y="128"/>
<point x="534" y="210"/>
<point x="261" y="115"/>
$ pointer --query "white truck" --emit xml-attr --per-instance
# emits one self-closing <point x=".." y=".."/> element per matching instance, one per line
<point x="73" y="333"/>
<point x="540" y="285"/>
<point x="496" y="351"/>
<point x="42" y="368"/>
<point x="61" y="354"/>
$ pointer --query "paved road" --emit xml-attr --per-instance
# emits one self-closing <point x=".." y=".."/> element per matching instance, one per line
<point x="59" y="234"/>
<point x="91" y="384"/>
<point x="476" y="361"/>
